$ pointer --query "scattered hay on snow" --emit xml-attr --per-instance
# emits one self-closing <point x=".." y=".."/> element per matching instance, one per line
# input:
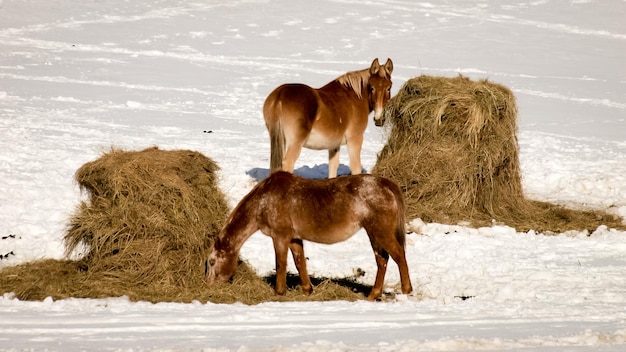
<point x="453" y="149"/>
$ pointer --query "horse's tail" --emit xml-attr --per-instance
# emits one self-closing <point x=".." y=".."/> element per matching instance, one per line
<point x="400" y="217"/>
<point x="277" y="146"/>
<point x="272" y="112"/>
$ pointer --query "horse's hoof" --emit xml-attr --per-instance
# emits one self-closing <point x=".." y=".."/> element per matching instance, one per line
<point x="373" y="296"/>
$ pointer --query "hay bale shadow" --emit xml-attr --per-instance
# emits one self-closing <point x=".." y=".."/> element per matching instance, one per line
<point x="452" y="148"/>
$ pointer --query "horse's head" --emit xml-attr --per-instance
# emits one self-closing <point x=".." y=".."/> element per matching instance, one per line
<point x="221" y="264"/>
<point x="379" y="88"/>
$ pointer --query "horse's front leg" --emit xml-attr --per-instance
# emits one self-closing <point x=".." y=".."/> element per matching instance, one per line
<point x="382" y="258"/>
<point x="333" y="162"/>
<point x="297" y="250"/>
<point x="281" y="247"/>
<point x="355" y="144"/>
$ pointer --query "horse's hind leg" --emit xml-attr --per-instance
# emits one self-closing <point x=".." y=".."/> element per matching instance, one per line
<point x="280" y="250"/>
<point x="387" y="244"/>
<point x="297" y="250"/>
<point x="382" y="258"/>
<point x="399" y="257"/>
<point x="397" y="253"/>
<point x="291" y="155"/>
<point x="355" y="143"/>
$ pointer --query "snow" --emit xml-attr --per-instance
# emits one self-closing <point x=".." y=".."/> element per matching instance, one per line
<point x="77" y="78"/>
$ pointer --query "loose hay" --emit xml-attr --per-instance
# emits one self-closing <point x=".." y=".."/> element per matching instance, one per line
<point x="453" y="150"/>
<point x="144" y="232"/>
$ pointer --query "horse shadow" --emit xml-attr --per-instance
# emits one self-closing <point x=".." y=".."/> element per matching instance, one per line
<point x="316" y="172"/>
<point x="293" y="282"/>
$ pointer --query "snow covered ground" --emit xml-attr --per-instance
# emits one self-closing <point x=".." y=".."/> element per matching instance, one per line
<point x="80" y="77"/>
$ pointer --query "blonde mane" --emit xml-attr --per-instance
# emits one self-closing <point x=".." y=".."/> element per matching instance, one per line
<point x="357" y="80"/>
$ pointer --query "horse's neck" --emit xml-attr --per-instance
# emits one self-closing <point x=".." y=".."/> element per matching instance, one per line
<point x="241" y="225"/>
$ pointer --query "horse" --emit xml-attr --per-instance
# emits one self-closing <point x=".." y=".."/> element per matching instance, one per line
<point x="290" y="209"/>
<point x="297" y="116"/>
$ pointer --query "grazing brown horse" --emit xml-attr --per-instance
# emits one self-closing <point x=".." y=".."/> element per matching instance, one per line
<point x="290" y="209"/>
<point x="297" y="116"/>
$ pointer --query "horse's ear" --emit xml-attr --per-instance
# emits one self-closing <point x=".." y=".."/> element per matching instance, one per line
<point x="375" y="67"/>
<point x="388" y="66"/>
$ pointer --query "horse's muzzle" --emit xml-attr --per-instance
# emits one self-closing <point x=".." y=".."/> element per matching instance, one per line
<point x="379" y="117"/>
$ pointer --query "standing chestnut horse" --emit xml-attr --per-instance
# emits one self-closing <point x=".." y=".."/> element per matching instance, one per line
<point x="290" y="209"/>
<point x="297" y="116"/>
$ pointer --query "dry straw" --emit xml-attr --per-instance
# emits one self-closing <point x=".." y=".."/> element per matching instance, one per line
<point x="453" y="149"/>
<point x="144" y="232"/>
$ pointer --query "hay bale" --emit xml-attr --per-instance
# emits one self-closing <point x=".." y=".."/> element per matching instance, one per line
<point x="145" y="230"/>
<point x="150" y="216"/>
<point x="453" y="150"/>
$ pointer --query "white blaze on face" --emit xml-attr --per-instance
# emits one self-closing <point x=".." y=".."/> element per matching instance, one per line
<point x="379" y="93"/>
<point x="378" y="110"/>
<point x="211" y="263"/>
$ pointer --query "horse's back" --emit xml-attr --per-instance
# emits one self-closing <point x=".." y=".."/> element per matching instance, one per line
<point x="291" y="99"/>
<point x="328" y="210"/>
<point x="362" y="187"/>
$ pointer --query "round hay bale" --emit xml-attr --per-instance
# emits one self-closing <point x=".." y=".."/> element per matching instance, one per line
<point x="150" y="216"/>
<point x="453" y="149"/>
<point x="149" y="220"/>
